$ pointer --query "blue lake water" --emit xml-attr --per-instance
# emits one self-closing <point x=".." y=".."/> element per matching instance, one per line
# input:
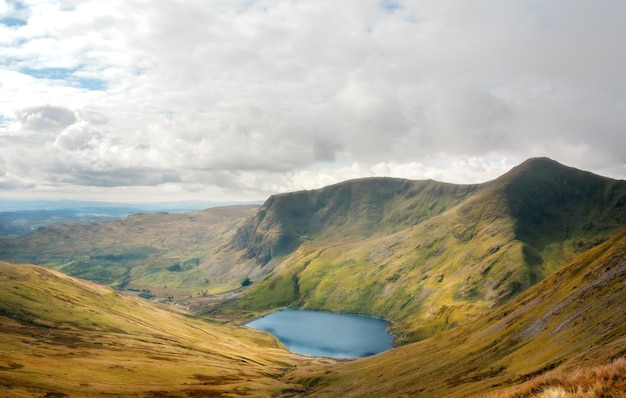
<point x="327" y="334"/>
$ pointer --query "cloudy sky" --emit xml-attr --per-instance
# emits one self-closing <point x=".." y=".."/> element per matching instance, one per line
<point x="239" y="99"/>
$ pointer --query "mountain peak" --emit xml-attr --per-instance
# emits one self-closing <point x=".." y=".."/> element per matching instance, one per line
<point x="537" y="166"/>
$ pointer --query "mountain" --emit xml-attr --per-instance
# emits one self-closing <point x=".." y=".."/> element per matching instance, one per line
<point x="563" y="337"/>
<point x="64" y="337"/>
<point x="426" y="255"/>
<point x="514" y="287"/>
<point x="168" y="253"/>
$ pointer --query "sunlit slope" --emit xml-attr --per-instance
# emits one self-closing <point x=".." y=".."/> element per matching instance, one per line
<point x="431" y="276"/>
<point x="63" y="335"/>
<point x="162" y="251"/>
<point x="574" y="319"/>
<point x="431" y="271"/>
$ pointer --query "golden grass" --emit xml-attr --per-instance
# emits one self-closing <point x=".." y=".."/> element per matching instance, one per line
<point x="60" y="335"/>
<point x="589" y="382"/>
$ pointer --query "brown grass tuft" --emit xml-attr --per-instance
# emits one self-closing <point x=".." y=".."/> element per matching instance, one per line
<point x="602" y="381"/>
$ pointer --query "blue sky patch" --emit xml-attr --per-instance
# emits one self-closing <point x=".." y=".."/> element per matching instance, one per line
<point x="49" y="73"/>
<point x="10" y="21"/>
<point x="390" y="5"/>
<point x="67" y="75"/>
<point x="92" y="84"/>
<point x="4" y="122"/>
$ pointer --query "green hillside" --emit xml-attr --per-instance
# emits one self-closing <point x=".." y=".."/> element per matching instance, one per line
<point x="425" y="255"/>
<point x="564" y="337"/>
<point x="63" y="337"/>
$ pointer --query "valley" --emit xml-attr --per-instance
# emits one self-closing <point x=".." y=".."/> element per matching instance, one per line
<point x="491" y="288"/>
<point x="65" y="337"/>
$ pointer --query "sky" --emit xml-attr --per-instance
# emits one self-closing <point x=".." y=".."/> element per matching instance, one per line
<point x="137" y="100"/>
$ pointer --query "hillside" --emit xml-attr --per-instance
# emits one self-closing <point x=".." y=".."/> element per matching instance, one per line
<point x="428" y="256"/>
<point x="171" y="254"/>
<point x="62" y="337"/>
<point x="565" y="336"/>
<point x="514" y="287"/>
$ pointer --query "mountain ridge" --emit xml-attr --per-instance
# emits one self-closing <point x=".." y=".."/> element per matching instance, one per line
<point x="427" y="255"/>
<point x="462" y="255"/>
<point x="302" y="215"/>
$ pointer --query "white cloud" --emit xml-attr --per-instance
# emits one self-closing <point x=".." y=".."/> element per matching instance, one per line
<point x="247" y="98"/>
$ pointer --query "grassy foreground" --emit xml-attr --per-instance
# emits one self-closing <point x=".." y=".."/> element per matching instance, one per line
<point x="61" y="336"/>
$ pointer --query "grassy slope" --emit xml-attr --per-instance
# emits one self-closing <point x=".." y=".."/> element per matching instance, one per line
<point x="425" y="278"/>
<point x="571" y="320"/>
<point x="139" y="249"/>
<point x="60" y="335"/>
<point x="435" y="270"/>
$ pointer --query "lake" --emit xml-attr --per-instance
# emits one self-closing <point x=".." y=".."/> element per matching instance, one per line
<point x="327" y="334"/>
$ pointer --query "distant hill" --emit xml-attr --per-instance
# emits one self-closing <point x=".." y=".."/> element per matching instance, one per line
<point x="22" y="222"/>
<point x="169" y="254"/>
<point x="20" y="217"/>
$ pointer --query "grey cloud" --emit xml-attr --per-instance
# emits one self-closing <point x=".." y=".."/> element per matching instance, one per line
<point x="46" y="118"/>
<point x="118" y="177"/>
<point x="325" y="151"/>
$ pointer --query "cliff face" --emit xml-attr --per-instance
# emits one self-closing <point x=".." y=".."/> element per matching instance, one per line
<point x="350" y="210"/>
